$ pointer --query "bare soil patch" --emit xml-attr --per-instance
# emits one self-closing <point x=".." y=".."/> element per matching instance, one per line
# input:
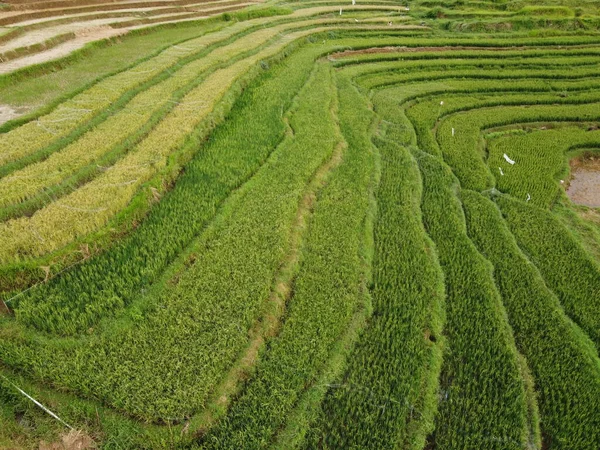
<point x="74" y="440"/>
<point x="7" y="113"/>
<point x="39" y="36"/>
<point x="584" y="186"/>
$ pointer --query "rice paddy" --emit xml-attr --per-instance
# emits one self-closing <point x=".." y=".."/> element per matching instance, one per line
<point x="303" y="225"/>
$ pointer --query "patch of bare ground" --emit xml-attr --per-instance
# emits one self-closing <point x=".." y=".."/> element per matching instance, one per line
<point x="39" y="36"/>
<point x="584" y="185"/>
<point x="74" y="440"/>
<point x="8" y="112"/>
<point x="107" y="28"/>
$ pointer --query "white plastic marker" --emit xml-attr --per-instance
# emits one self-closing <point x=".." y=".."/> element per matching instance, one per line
<point x="340" y="11"/>
<point x="37" y="403"/>
<point x="353" y="2"/>
<point x="452" y="131"/>
<point x="562" y="181"/>
<point x="508" y="160"/>
<point x="500" y="169"/>
<point x="528" y="197"/>
<point x="442" y="103"/>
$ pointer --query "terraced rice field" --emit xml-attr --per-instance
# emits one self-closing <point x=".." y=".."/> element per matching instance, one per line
<point x="301" y="225"/>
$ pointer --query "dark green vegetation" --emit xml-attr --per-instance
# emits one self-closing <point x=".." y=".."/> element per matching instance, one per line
<point x="304" y="245"/>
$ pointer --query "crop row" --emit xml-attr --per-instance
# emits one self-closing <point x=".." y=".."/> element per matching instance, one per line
<point x="541" y="157"/>
<point x="543" y="239"/>
<point x="483" y="305"/>
<point x="92" y="205"/>
<point x="122" y="125"/>
<point x="562" y="360"/>
<point x="388" y="396"/>
<point x="34" y="136"/>
<point x="327" y="292"/>
<point x="120" y="269"/>
<point x="460" y="109"/>
<point x="374" y="81"/>
<point x="566" y="267"/>
<point x="244" y="245"/>
<point x="450" y="52"/>
<point x="576" y="292"/>
<point x="483" y="62"/>
<point x="223" y="165"/>
<point x="483" y="394"/>
<point x="236" y="149"/>
<point x="426" y="99"/>
<point x="462" y="152"/>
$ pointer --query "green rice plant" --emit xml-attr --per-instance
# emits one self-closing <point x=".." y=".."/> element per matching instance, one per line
<point x="455" y="318"/>
<point x="382" y="80"/>
<point x="34" y="136"/>
<point x="122" y="125"/>
<point x="542" y="161"/>
<point x="455" y="52"/>
<point x="424" y="114"/>
<point x="482" y="399"/>
<point x="91" y="206"/>
<point x="235" y="150"/>
<point x="564" y="363"/>
<point x="222" y="166"/>
<point x="567" y="269"/>
<point x="483" y="62"/>
<point x="397" y="360"/>
<point x="67" y="116"/>
<point x="83" y="68"/>
<point x="326" y="294"/>
<point x="465" y="155"/>
<point x="244" y="245"/>
<point x="579" y="220"/>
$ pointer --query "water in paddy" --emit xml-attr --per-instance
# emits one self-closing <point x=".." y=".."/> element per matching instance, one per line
<point x="584" y="187"/>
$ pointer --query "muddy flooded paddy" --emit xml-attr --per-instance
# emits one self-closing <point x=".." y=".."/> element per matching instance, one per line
<point x="584" y="186"/>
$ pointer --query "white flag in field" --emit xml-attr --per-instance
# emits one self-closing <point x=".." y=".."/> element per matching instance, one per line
<point x="508" y="160"/>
